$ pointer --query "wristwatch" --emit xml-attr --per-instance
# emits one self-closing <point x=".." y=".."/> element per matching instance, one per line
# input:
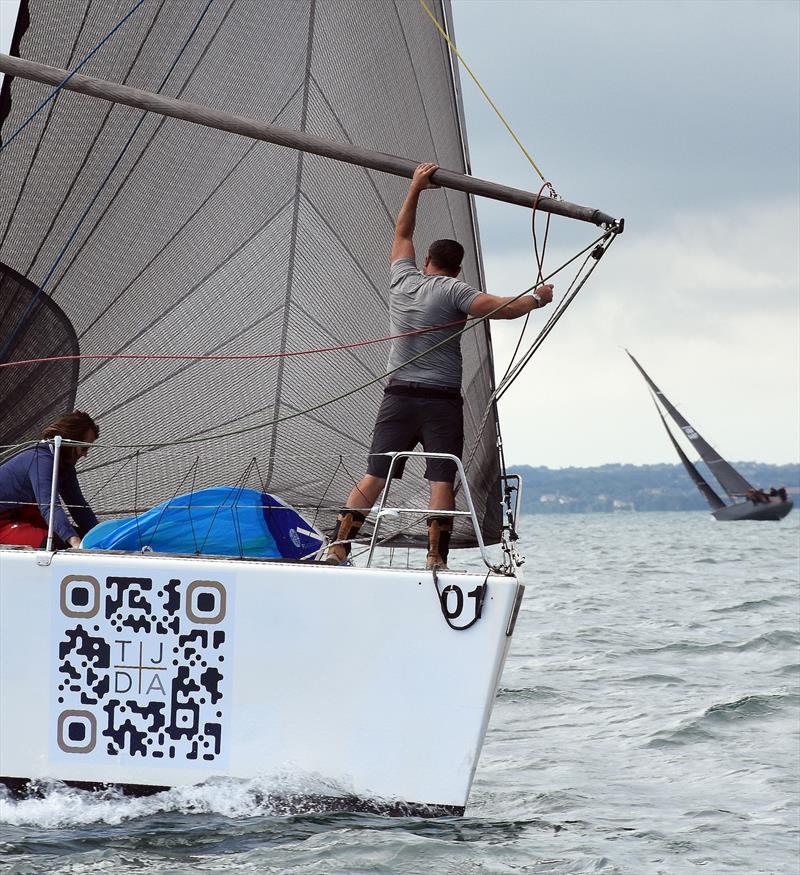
<point x="538" y="299"/>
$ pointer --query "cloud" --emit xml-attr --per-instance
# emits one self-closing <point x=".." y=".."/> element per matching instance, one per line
<point x="708" y="305"/>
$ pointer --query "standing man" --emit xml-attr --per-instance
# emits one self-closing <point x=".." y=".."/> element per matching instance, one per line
<point x="422" y="403"/>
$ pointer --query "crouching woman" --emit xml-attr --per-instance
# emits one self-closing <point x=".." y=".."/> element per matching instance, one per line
<point x="26" y="481"/>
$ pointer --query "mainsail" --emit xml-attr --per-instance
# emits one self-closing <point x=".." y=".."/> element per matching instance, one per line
<point x="204" y="243"/>
<point x="731" y="480"/>
<point x="699" y="481"/>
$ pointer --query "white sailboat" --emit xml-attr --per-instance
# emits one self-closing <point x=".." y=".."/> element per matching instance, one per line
<point x="192" y="227"/>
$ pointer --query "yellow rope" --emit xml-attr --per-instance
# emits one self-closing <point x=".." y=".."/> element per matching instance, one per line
<point x="482" y="89"/>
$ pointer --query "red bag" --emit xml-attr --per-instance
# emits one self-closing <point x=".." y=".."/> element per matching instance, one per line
<point x="23" y="526"/>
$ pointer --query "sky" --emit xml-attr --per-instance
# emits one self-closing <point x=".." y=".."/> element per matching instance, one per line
<point x="683" y="118"/>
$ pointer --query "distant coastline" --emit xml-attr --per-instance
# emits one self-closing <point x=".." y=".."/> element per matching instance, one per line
<point x="630" y="488"/>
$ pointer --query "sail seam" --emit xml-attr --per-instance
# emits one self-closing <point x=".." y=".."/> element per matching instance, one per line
<point x="161" y="122"/>
<point x="349" y="139"/>
<point x="292" y="243"/>
<point x="422" y="103"/>
<point x="44" y="126"/>
<point x="100" y="129"/>
<point x="211" y="195"/>
<point x="196" y="286"/>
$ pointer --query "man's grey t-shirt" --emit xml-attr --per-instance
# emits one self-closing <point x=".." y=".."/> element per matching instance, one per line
<point x="417" y="300"/>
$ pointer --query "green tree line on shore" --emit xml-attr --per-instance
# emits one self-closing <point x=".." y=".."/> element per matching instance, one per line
<point x="621" y="488"/>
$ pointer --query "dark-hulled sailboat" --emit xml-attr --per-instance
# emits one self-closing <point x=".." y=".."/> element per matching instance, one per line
<point x="749" y="502"/>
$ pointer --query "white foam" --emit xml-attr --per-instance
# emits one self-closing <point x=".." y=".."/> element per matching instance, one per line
<point x="60" y="806"/>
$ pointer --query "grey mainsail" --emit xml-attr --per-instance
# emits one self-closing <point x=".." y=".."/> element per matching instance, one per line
<point x="204" y="243"/>
<point x="731" y="480"/>
<point x="714" y="501"/>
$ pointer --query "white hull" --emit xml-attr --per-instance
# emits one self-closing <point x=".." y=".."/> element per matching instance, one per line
<point x="349" y="674"/>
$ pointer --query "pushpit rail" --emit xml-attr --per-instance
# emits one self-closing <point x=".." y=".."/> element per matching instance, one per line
<point x="384" y="511"/>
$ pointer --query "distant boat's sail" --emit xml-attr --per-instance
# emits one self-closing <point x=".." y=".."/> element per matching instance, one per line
<point x="731" y="480"/>
<point x="203" y="242"/>
<point x="699" y="481"/>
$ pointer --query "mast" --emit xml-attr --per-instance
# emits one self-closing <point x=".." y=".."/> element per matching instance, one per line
<point x="731" y="480"/>
<point x="259" y="130"/>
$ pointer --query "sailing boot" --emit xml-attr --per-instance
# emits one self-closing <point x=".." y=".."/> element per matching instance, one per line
<point x="439" y="531"/>
<point x="347" y="525"/>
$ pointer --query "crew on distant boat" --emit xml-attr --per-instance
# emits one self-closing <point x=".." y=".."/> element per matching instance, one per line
<point x="758" y="496"/>
<point x="422" y="402"/>
<point x="26" y="482"/>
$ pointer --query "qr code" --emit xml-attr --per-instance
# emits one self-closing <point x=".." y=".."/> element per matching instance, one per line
<point x="142" y="670"/>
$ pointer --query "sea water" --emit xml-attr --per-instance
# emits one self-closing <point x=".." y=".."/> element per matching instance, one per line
<point x="648" y="721"/>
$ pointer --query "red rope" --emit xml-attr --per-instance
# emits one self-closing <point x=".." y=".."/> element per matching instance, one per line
<point x="268" y="355"/>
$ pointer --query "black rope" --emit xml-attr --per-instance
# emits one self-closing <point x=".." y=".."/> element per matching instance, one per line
<point x="166" y="504"/>
<point x="191" y="493"/>
<point x="236" y="486"/>
<point x="318" y="508"/>
<point x="136" y="499"/>
<point x="443" y="594"/>
<point x="539" y="273"/>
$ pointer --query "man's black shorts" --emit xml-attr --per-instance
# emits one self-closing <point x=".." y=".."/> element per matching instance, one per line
<point x="412" y="414"/>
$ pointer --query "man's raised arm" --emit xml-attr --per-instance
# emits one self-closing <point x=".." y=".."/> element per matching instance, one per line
<point x="403" y="243"/>
<point x="489" y="305"/>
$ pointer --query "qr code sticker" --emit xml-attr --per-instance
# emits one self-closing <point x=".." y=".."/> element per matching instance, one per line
<point x="142" y="670"/>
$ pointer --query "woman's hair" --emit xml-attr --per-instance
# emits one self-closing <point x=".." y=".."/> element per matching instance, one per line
<point x="72" y="426"/>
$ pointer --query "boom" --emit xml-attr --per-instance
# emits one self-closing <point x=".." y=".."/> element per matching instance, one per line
<point x="259" y="130"/>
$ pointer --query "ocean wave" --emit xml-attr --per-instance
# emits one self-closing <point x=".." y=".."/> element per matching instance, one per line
<point x="779" y="638"/>
<point x="773" y="601"/>
<point x="702" y="728"/>
<point x="666" y="679"/>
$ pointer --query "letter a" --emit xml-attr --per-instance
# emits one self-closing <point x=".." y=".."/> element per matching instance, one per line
<point x="155" y="684"/>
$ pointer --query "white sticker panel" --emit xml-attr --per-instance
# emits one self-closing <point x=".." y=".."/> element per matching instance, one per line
<point x="141" y="670"/>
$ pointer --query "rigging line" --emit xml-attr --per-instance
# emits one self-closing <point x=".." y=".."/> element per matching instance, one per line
<point x="231" y="357"/>
<point x="136" y="499"/>
<point x="495" y="396"/>
<point x="40" y="288"/>
<point x="562" y="305"/>
<point x="168" y="503"/>
<point x="548" y="328"/>
<point x="539" y="269"/>
<point x="191" y="493"/>
<point x="565" y="301"/>
<point x="324" y="495"/>
<point x="469" y="325"/>
<point x="238" y="485"/>
<point x="64" y="81"/>
<point x="114" y="475"/>
<point x="235" y="510"/>
<point x="483" y="90"/>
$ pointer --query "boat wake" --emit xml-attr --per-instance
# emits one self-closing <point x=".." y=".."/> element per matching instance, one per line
<point x="54" y="805"/>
